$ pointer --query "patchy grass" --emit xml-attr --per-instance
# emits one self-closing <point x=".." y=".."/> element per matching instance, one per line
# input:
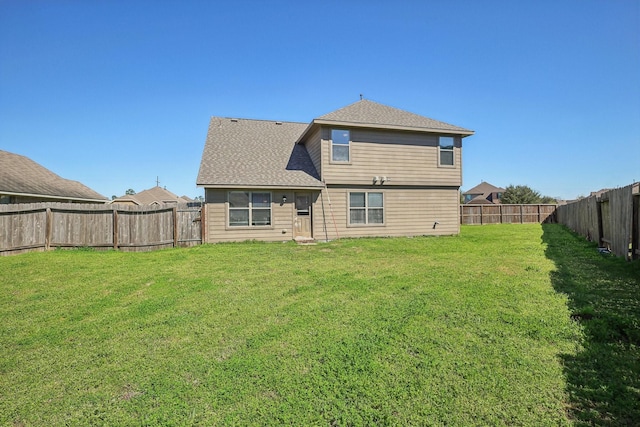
<point x="474" y="329"/>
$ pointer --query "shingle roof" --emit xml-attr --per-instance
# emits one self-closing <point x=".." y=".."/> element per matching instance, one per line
<point x="153" y="195"/>
<point x="369" y="113"/>
<point x="21" y="175"/>
<point x="256" y="153"/>
<point x="484" y="188"/>
<point x="482" y="192"/>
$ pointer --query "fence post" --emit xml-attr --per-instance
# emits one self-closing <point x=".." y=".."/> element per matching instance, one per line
<point x="635" y="227"/>
<point x="600" y="225"/>
<point x="203" y="221"/>
<point x="521" y="215"/>
<point x="175" y="227"/>
<point x="115" y="228"/>
<point x="48" y="228"/>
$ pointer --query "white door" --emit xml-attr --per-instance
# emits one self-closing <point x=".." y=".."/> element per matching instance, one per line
<point x="302" y="219"/>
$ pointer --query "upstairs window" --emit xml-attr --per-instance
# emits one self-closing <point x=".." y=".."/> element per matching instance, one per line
<point x="446" y="151"/>
<point x="366" y="208"/>
<point x="340" y="145"/>
<point x="249" y="209"/>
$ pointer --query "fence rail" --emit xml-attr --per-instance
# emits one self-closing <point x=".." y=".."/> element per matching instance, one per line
<point x="611" y="219"/>
<point x="45" y="226"/>
<point x="506" y="214"/>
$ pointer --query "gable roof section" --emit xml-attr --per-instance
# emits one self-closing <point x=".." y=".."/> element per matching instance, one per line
<point x="484" y="188"/>
<point x="241" y="153"/>
<point x="482" y="192"/>
<point x="153" y="195"/>
<point x="22" y="176"/>
<point x="365" y="113"/>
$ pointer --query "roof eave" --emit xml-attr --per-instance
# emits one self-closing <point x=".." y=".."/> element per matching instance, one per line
<point x="48" y="196"/>
<point x="307" y="130"/>
<point x="462" y="132"/>
<point x="270" y="187"/>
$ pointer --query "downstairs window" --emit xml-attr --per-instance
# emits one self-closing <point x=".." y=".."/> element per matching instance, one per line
<point x="366" y="208"/>
<point x="249" y="209"/>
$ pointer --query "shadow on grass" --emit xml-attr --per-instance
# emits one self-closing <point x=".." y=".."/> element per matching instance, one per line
<point x="603" y="378"/>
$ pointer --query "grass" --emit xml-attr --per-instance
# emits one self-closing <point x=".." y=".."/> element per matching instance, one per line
<point x="603" y="379"/>
<point x="475" y="329"/>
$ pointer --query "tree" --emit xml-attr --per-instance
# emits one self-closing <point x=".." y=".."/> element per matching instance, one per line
<point x="130" y="192"/>
<point x="520" y="194"/>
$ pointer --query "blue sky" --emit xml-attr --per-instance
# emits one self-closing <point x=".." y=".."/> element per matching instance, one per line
<point x="116" y="93"/>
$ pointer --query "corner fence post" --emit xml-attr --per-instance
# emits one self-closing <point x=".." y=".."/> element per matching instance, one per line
<point x="203" y="219"/>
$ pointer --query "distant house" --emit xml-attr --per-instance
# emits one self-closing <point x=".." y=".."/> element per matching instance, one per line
<point x="153" y="196"/>
<point x="24" y="181"/>
<point x="364" y="170"/>
<point x="483" y="193"/>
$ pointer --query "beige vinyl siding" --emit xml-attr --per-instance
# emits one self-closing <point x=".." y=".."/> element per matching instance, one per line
<point x="407" y="212"/>
<point x="314" y="148"/>
<point x="218" y="229"/>
<point x="406" y="158"/>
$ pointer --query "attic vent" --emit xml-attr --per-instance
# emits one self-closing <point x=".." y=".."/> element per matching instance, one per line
<point x="234" y="120"/>
<point x="278" y="123"/>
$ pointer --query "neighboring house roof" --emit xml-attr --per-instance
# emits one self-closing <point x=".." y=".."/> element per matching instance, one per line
<point x="485" y="188"/>
<point x="256" y="153"/>
<point x="367" y="113"/>
<point x="22" y="176"/>
<point x="482" y="191"/>
<point x="155" y="195"/>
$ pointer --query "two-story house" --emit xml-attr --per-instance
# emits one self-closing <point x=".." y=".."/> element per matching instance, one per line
<point x="483" y="193"/>
<point x="364" y="170"/>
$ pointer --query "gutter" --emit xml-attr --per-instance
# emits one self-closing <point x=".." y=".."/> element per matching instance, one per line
<point x="261" y="186"/>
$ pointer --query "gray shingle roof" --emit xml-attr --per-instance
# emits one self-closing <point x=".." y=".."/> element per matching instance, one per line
<point x="256" y="153"/>
<point x="369" y="113"/>
<point x="21" y="175"/>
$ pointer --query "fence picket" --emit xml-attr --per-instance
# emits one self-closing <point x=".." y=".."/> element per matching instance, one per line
<point x="43" y="226"/>
<point x="610" y="219"/>
<point x="510" y="214"/>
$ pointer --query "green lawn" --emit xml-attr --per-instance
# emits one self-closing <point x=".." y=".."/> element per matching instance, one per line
<point x="475" y="329"/>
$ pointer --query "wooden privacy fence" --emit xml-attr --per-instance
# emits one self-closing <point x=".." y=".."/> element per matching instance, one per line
<point x="611" y="219"/>
<point x="44" y="226"/>
<point x="506" y="214"/>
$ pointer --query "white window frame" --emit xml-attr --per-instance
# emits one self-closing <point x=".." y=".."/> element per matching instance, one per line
<point x="348" y="144"/>
<point x="250" y="209"/>
<point x="366" y="208"/>
<point x="442" y="150"/>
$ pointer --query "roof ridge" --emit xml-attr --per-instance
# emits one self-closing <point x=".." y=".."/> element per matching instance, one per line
<point x="259" y="120"/>
<point x="372" y="113"/>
